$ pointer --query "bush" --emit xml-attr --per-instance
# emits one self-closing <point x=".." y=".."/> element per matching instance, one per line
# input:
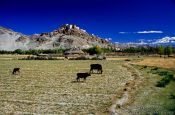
<point x="165" y="80"/>
<point x="94" y="50"/>
<point x="172" y="96"/>
<point x="19" y="51"/>
<point x="162" y="73"/>
<point x="155" y="68"/>
<point x="160" y="84"/>
<point x="145" y="66"/>
<point x="98" y="50"/>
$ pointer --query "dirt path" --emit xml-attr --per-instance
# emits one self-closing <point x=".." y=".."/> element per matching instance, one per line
<point x="126" y="93"/>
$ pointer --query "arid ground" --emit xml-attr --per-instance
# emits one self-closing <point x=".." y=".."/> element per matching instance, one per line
<point x="50" y="87"/>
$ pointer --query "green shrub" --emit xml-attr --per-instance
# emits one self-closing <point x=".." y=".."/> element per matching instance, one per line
<point x="165" y="80"/>
<point x="145" y="66"/>
<point x="172" y="96"/>
<point x="19" y="51"/>
<point x="161" y="84"/>
<point x="162" y="73"/>
<point x="155" y="68"/>
<point x="94" y="50"/>
<point x="170" y="76"/>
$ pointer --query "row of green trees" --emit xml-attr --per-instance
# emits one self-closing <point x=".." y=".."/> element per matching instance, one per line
<point x="97" y="50"/>
<point x="91" y="51"/>
<point x="34" y="51"/>
<point x="161" y="50"/>
<point x="165" y="50"/>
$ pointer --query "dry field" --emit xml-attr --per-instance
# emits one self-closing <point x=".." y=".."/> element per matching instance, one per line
<point x="49" y="87"/>
<point x="10" y="57"/>
<point x="168" y="63"/>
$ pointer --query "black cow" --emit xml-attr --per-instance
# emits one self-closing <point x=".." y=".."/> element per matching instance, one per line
<point x="16" y="70"/>
<point x="82" y="75"/>
<point x="97" y="67"/>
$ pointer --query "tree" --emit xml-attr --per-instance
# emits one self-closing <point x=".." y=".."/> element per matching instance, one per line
<point x="98" y="50"/>
<point x="173" y="50"/>
<point x="94" y="50"/>
<point x="160" y="50"/>
<point x="18" y="51"/>
<point x="168" y="50"/>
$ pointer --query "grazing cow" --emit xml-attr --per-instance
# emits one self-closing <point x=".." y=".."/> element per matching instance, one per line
<point x="97" y="67"/>
<point x="16" y="70"/>
<point x="82" y="75"/>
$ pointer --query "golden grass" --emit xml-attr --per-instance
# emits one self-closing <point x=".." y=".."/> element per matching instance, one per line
<point x="168" y="63"/>
<point x="49" y="87"/>
<point x="10" y="56"/>
<point x="117" y="58"/>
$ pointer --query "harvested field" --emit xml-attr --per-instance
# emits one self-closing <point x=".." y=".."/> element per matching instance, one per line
<point x="117" y="58"/>
<point x="49" y="87"/>
<point x="168" y="63"/>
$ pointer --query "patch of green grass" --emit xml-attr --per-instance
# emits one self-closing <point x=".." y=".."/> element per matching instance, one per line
<point x="162" y="73"/>
<point x="167" y="77"/>
<point x="172" y="96"/>
<point x="164" y="81"/>
<point x="169" y="100"/>
<point x="150" y="99"/>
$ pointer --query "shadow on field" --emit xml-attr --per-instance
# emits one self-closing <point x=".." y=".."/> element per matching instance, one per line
<point x="78" y="81"/>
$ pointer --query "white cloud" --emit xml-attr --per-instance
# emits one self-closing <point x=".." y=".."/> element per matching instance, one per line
<point x="149" y="41"/>
<point x="149" y="32"/>
<point x="108" y="39"/>
<point x="124" y="32"/>
<point x="166" y="39"/>
<point x="143" y="32"/>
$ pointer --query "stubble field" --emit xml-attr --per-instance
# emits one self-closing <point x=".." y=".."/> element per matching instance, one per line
<point x="50" y="87"/>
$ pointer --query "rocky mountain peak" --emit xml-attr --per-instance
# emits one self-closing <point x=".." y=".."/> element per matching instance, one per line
<point x="11" y="40"/>
<point x="67" y="36"/>
<point x="71" y="29"/>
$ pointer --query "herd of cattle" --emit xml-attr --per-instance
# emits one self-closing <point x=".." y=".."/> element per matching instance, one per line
<point x="97" y="67"/>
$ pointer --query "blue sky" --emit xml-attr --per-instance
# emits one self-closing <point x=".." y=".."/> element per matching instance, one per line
<point x="121" y="20"/>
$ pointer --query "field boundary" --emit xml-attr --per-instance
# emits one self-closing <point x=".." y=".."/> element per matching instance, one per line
<point x="127" y="92"/>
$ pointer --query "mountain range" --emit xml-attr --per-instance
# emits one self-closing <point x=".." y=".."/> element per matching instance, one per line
<point x="66" y="37"/>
